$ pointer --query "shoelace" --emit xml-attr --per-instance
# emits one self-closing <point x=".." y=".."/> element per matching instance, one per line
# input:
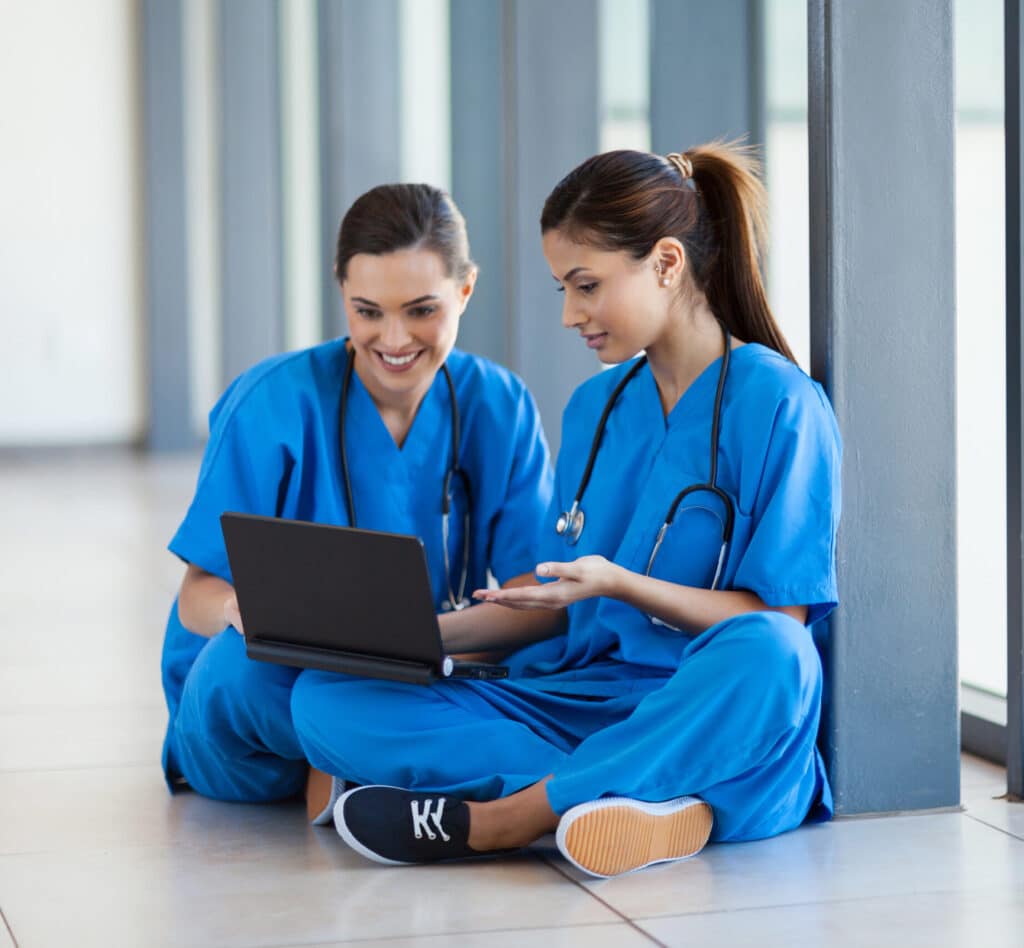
<point x="421" y="818"/>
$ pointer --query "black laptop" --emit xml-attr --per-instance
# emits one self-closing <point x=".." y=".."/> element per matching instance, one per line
<point x="339" y="599"/>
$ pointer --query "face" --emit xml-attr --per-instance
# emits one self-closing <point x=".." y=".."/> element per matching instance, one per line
<point x="614" y="301"/>
<point x="403" y="316"/>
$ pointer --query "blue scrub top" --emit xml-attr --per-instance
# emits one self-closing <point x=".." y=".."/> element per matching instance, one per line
<point x="273" y="450"/>
<point x="779" y="460"/>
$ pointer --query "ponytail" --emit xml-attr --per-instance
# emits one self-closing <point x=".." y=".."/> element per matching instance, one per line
<point x="728" y="182"/>
<point x="710" y="198"/>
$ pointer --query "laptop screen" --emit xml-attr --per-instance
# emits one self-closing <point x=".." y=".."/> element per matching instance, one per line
<point x="332" y="587"/>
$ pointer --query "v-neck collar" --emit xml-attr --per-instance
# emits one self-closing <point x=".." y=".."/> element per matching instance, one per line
<point x="707" y="379"/>
<point x="425" y="432"/>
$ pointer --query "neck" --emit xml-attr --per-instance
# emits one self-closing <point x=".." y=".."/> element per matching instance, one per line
<point x="397" y="409"/>
<point x="692" y="341"/>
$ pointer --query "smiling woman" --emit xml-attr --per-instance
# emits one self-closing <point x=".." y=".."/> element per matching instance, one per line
<point x="382" y="420"/>
<point x="406" y="276"/>
<point x="403" y="318"/>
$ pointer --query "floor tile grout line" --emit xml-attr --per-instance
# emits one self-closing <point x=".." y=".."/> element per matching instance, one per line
<point x="7" y="925"/>
<point x="611" y="908"/>
<point x="998" y="829"/>
<point x="769" y="907"/>
<point x="468" y="931"/>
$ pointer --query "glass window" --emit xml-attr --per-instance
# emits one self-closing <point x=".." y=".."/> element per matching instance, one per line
<point x="625" y="93"/>
<point x="787" y="171"/>
<point x="981" y="374"/>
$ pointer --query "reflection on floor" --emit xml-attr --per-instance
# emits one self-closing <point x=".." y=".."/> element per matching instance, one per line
<point x="94" y="852"/>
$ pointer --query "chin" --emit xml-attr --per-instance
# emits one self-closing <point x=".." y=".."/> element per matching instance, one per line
<point x="616" y="355"/>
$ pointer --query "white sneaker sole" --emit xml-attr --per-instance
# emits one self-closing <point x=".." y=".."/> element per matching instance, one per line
<point x="614" y="835"/>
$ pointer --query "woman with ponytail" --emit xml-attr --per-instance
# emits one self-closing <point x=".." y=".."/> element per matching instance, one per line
<point x="687" y="555"/>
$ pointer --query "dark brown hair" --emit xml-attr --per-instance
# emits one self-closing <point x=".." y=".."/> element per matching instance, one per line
<point x="629" y="200"/>
<point x="393" y="217"/>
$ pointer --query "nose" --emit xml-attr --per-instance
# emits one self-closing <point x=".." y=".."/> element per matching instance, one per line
<point x="571" y="317"/>
<point x="393" y="334"/>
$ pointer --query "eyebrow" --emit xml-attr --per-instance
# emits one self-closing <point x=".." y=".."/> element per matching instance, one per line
<point x="419" y="299"/>
<point x="571" y="274"/>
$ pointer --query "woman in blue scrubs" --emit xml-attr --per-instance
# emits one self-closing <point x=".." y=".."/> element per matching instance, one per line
<point x="687" y="554"/>
<point x="405" y="274"/>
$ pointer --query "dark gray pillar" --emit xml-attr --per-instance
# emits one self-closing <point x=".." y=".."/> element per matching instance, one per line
<point x="883" y="339"/>
<point x="1014" y="43"/>
<point x="551" y="97"/>
<point x="478" y="67"/>
<point x="250" y="172"/>
<point x="707" y="72"/>
<point x="359" y="118"/>
<point x="163" y="123"/>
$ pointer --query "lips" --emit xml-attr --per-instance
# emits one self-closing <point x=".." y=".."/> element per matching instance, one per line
<point x="595" y="340"/>
<point x="398" y="361"/>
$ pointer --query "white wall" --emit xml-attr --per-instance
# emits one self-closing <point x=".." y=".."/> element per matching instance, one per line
<point x="70" y="289"/>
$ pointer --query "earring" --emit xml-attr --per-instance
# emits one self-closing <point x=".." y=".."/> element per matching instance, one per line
<point x="664" y="281"/>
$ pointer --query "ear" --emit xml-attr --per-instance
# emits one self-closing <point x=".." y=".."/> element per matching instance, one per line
<point x="668" y="260"/>
<point x="466" y="290"/>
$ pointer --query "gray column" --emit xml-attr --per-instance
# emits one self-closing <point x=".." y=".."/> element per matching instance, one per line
<point x="163" y="123"/>
<point x="359" y="118"/>
<point x="479" y="169"/>
<point x="1014" y="43"/>
<point x="250" y="171"/>
<point x="883" y="338"/>
<point x="552" y="109"/>
<point x="707" y="72"/>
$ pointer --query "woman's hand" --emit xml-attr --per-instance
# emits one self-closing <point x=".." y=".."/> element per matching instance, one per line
<point x="584" y="578"/>
<point x="232" y="616"/>
<point x="206" y="603"/>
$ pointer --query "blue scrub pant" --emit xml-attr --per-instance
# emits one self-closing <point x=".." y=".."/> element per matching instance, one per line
<point x="232" y="737"/>
<point x="735" y="724"/>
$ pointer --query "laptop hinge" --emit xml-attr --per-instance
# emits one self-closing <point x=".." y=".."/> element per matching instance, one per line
<point x="333" y="660"/>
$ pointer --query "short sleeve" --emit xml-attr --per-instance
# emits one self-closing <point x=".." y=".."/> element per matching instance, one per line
<point x="527" y="495"/>
<point x="245" y="468"/>
<point x="790" y="557"/>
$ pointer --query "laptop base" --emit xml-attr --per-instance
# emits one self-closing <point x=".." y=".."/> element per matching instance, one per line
<point x="366" y="666"/>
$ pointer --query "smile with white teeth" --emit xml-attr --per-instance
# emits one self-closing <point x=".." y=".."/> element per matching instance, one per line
<point x="398" y="360"/>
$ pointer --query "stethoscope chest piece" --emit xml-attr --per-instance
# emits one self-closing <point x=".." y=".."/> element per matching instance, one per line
<point x="570" y="524"/>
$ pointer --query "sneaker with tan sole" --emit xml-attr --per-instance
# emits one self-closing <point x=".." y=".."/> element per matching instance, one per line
<point x="614" y="835"/>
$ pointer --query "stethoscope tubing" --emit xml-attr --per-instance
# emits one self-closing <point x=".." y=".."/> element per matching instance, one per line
<point x="456" y="602"/>
<point x="571" y="523"/>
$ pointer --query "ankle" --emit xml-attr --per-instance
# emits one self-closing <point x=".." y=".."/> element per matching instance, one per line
<point x="506" y="824"/>
<point x="488" y="830"/>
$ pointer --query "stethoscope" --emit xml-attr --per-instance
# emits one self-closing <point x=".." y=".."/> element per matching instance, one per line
<point x="570" y="523"/>
<point x="455" y="602"/>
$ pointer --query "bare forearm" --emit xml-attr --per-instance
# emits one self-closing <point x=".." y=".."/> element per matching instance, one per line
<point x="488" y="627"/>
<point x="689" y="609"/>
<point x="203" y="601"/>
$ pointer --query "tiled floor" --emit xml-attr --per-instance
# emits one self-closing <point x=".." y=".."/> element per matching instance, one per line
<point x="94" y="852"/>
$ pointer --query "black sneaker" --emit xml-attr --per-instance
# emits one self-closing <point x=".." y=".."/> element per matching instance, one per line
<point x="401" y="827"/>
